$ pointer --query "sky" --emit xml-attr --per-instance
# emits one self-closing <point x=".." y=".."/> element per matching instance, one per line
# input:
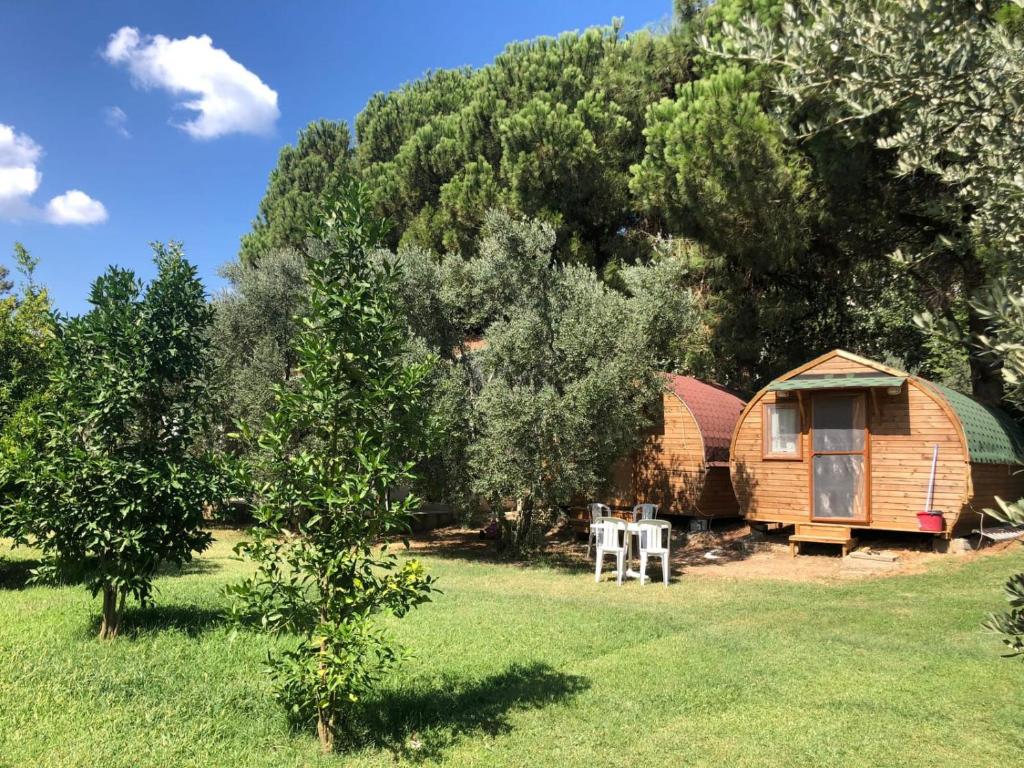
<point x="122" y="123"/>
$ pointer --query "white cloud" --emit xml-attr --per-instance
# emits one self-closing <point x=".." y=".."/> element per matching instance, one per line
<point x="75" y="207"/>
<point x="20" y="178"/>
<point x="117" y="119"/>
<point x="229" y="98"/>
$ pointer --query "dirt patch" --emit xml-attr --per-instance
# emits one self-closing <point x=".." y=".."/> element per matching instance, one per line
<point x="730" y="550"/>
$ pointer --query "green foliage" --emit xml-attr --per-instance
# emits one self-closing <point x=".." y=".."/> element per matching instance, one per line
<point x="28" y="346"/>
<point x="315" y="166"/>
<point x="542" y="369"/>
<point x="933" y="87"/>
<point x="256" y="323"/>
<point x="716" y="168"/>
<point x="567" y="376"/>
<point x="549" y="129"/>
<point x="114" y="485"/>
<point x="676" y="312"/>
<point x="1002" y="306"/>
<point x="335" y="448"/>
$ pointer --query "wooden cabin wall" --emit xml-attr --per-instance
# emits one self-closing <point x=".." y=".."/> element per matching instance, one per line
<point x="903" y="435"/>
<point x="989" y="481"/>
<point x="718" y="498"/>
<point x="669" y="470"/>
<point x="620" y="489"/>
<point x="768" y="490"/>
<point x="903" y="430"/>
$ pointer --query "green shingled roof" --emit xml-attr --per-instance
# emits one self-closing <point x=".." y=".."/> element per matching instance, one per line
<point x="992" y="436"/>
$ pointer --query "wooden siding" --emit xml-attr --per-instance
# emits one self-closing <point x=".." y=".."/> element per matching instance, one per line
<point x="669" y="469"/>
<point x="989" y="481"/>
<point x="840" y="365"/>
<point x="902" y="431"/>
<point x="718" y="498"/>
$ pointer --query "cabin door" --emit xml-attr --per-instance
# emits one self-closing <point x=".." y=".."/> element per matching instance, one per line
<point x="839" y="458"/>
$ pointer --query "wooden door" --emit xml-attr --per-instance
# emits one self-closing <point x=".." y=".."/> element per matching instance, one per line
<point x="839" y="463"/>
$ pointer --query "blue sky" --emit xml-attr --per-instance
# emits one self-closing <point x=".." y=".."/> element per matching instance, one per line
<point x="93" y="131"/>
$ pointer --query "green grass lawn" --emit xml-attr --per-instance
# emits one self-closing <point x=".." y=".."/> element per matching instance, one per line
<point x="537" y="667"/>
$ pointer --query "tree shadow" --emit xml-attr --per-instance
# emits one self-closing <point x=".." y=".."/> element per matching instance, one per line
<point x="420" y="725"/>
<point x="18" y="573"/>
<point x="563" y="551"/>
<point x="197" y="565"/>
<point x="190" y="620"/>
<point x="15" y="574"/>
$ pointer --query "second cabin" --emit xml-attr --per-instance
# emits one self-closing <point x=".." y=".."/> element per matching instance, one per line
<point x="683" y="463"/>
<point x="845" y="443"/>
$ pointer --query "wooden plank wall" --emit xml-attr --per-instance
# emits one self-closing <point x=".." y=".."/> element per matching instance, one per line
<point x="903" y="431"/>
<point x="718" y="499"/>
<point x="990" y="480"/>
<point x="669" y="470"/>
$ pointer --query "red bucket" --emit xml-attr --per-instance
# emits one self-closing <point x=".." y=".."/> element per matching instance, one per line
<point x="930" y="521"/>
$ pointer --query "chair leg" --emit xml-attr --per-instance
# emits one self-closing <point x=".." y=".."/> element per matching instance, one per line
<point x="590" y="538"/>
<point x="664" y="568"/>
<point x="597" y="565"/>
<point x="643" y="567"/>
<point x="620" y="556"/>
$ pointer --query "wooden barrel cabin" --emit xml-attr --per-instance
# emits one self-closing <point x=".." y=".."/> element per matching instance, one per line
<point x="683" y="463"/>
<point x="845" y="443"/>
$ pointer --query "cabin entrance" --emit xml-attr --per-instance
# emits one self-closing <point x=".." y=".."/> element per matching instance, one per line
<point x="839" y="458"/>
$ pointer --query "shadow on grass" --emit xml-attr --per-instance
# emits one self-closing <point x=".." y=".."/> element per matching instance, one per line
<point x="198" y="565"/>
<point x="190" y="620"/>
<point x="421" y="724"/>
<point x="563" y="553"/>
<point x="15" y="574"/>
<point x="568" y="554"/>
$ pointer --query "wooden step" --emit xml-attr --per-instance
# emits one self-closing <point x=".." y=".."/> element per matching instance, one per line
<point x="822" y="533"/>
<point x="828" y="531"/>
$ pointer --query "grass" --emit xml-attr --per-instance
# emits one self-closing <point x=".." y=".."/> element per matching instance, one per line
<point x="537" y="666"/>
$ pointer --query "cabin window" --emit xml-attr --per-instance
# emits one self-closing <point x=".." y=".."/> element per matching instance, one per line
<point x="781" y="431"/>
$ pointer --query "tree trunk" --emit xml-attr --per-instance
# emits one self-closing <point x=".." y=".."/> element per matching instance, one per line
<point x="986" y="369"/>
<point x="111" y="613"/>
<point x="523" y="526"/>
<point x="325" y="729"/>
<point x="325" y="712"/>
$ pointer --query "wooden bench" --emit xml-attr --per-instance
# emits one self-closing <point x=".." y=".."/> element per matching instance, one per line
<point x="822" y="534"/>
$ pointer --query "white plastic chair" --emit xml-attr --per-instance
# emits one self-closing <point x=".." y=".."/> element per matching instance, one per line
<point x="655" y="539"/>
<point x="610" y="543"/>
<point x="645" y="512"/>
<point x="597" y="511"/>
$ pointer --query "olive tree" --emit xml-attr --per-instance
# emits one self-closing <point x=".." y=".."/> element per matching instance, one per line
<point x="567" y="373"/>
<point x="325" y="468"/>
<point x="115" y="485"/>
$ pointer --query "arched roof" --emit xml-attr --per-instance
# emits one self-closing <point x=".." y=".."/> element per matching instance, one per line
<point x="992" y="436"/>
<point x="715" y="411"/>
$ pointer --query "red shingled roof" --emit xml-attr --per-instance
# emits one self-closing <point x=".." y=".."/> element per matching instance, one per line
<point x="715" y="410"/>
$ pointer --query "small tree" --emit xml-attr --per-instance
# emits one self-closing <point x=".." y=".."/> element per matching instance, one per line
<point x="115" y="486"/>
<point x="27" y="337"/>
<point x="330" y="456"/>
